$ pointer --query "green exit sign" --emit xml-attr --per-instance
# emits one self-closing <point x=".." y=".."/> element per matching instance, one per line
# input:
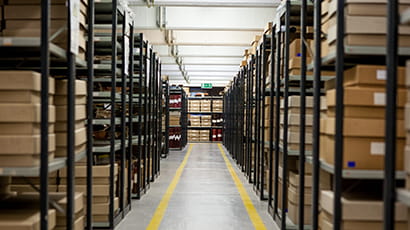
<point x="206" y="85"/>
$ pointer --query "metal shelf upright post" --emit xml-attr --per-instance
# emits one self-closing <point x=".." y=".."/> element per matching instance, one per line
<point x="131" y="116"/>
<point x="146" y="115"/>
<point x="166" y="94"/>
<point x="272" y="109"/>
<point x="302" y="123"/>
<point x="391" y="115"/>
<point x="90" y="112"/>
<point x="316" y="114"/>
<point x="256" y="121"/>
<point x="264" y="63"/>
<point x="45" y="72"/>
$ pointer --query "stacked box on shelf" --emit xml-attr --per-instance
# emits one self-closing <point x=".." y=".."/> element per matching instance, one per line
<point x="194" y="135"/>
<point x="204" y="135"/>
<point x="217" y="106"/>
<point x="254" y="44"/>
<point x="194" y="106"/>
<point x="294" y="123"/>
<point x="293" y="196"/>
<point x="365" y="24"/>
<point x="206" y="120"/>
<point x="20" y="119"/>
<point x="19" y="213"/>
<point x="28" y="24"/>
<point x="267" y="119"/>
<point x="295" y="54"/>
<point x="80" y="131"/>
<point x="23" y="184"/>
<point x="101" y="188"/>
<point x="360" y="211"/>
<point x="205" y="106"/>
<point x="174" y="118"/>
<point x="79" y="211"/>
<point x="195" y="120"/>
<point x="364" y="113"/>
<point x="28" y="200"/>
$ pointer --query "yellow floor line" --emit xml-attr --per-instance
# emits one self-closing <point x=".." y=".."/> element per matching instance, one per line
<point x="252" y="212"/>
<point x="162" y="207"/>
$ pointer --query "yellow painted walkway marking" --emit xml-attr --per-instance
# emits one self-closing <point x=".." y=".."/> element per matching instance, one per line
<point x="162" y="207"/>
<point x="252" y="212"/>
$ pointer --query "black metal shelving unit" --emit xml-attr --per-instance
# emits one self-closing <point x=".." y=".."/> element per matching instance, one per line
<point x="166" y="109"/>
<point x="49" y="59"/>
<point x="233" y="138"/>
<point x="124" y="76"/>
<point x="113" y="91"/>
<point x="212" y="127"/>
<point x="183" y="126"/>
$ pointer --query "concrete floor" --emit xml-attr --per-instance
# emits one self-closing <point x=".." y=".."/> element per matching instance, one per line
<point x="205" y="197"/>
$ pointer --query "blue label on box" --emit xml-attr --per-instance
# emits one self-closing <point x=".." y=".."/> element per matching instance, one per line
<point x="351" y="164"/>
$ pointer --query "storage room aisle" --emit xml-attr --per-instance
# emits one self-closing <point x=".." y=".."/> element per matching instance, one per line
<point x="199" y="188"/>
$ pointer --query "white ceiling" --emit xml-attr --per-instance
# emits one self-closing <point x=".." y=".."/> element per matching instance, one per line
<point x="208" y="36"/>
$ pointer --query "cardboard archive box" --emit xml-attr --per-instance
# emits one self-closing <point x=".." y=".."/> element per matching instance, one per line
<point x="80" y="133"/>
<point x="20" y="119"/>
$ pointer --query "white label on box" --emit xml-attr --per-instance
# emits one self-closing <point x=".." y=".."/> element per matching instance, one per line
<point x="377" y="148"/>
<point x="381" y="75"/>
<point x="75" y="25"/>
<point x="379" y="99"/>
<point x="127" y="54"/>
<point x="7" y="41"/>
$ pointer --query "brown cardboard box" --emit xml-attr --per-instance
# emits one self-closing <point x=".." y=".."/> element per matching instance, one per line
<point x="295" y="63"/>
<point x="98" y="190"/>
<point x="24" y="145"/>
<point x="62" y="126"/>
<point x="34" y="2"/>
<point x="24" y="81"/>
<point x="367" y="8"/>
<point x="294" y="180"/>
<point x="407" y="159"/>
<point x="24" y="113"/>
<point x="79" y="224"/>
<point x="21" y="188"/>
<point x="103" y="209"/>
<point x="371" y="75"/>
<point x="25" y="219"/>
<point x="294" y="102"/>
<point x="98" y="171"/>
<point x="364" y="102"/>
<point x="356" y="127"/>
<point x="361" y="152"/>
<point x="294" y="120"/>
<point x="23" y="128"/>
<point x="80" y="113"/>
<point x="325" y="223"/>
<point x="295" y="49"/>
<point x="22" y="97"/>
<point x="33" y="12"/>
<point x="293" y="213"/>
<point x="204" y="138"/>
<point x="62" y="151"/>
<point x="62" y="100"/>
<point x="359" y="209"/>
<point x="80" y="87"/>
<point x="80" y="137"/>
